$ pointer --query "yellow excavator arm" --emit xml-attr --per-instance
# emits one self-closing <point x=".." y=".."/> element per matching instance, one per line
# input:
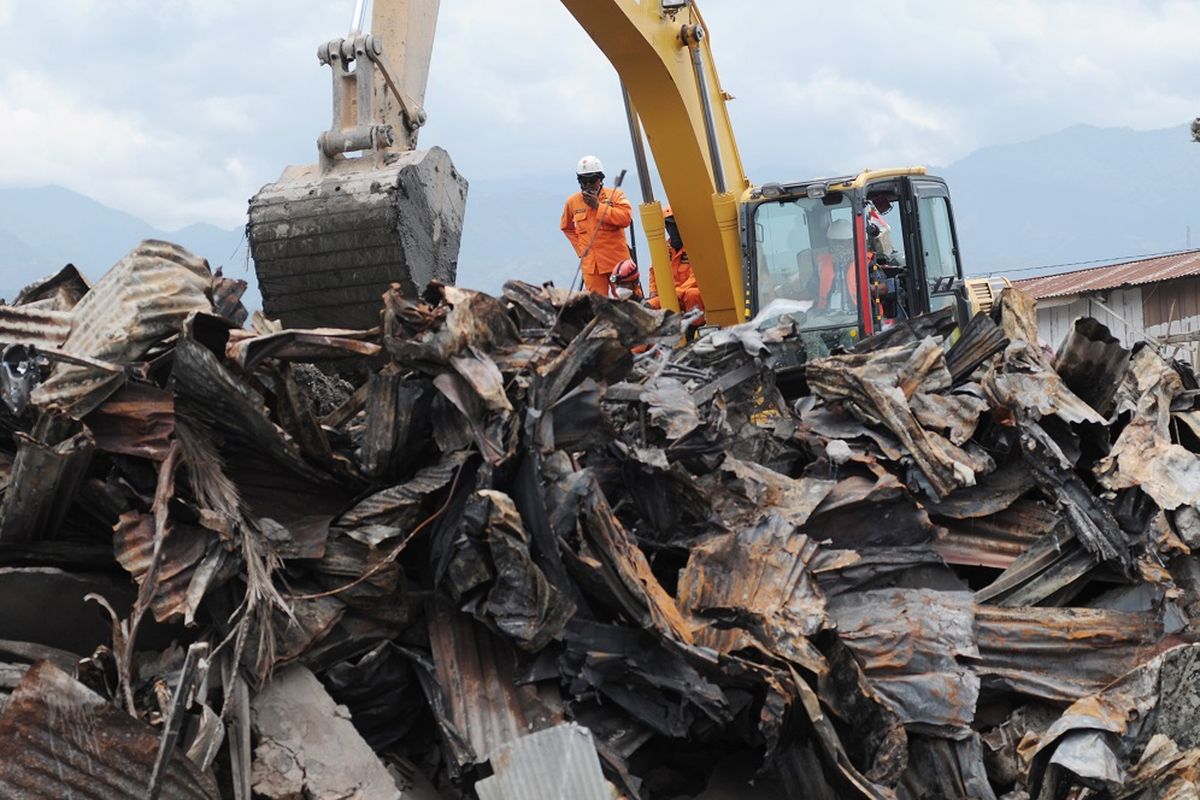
<point x="328" y="239"/>
<point x="662" y="54"/>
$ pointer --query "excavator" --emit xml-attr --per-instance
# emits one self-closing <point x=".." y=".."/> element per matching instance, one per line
<point x="847" y="256"/>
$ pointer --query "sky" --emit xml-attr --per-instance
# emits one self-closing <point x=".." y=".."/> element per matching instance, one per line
<point x="177" y="111"/>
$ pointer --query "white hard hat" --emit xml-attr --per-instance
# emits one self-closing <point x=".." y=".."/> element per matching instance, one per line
<point x="589" y="165"/>
<point x="839" y="229"/>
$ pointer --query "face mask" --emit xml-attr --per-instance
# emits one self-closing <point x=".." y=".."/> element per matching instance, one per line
<point x="623" y="293"/>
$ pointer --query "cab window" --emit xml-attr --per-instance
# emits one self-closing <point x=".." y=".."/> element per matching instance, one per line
<point x="936" y="239"/>
<point x="805" y="255"/>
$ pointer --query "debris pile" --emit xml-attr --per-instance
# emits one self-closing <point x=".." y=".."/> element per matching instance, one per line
<point x="527" y="547"/>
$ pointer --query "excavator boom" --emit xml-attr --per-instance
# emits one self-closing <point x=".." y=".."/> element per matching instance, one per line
<point x="662" y="54"/>
<point x="329" y="238"/>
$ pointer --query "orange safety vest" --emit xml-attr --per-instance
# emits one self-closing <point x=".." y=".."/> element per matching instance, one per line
<point x="580" y="221"/>
<point x="827" y="273"/>
<point x="686" y="290"/>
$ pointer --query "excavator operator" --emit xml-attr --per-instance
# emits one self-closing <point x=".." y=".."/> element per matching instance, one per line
<point x="686" y="290"/>
<point x="594" y="219"/>
<point x="835" y="270"/>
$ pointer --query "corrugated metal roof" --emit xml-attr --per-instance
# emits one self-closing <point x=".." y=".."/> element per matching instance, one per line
<point x="42" y="328"/>
<point x="59" y="739"/>
<point x="1130" y="273"/>
<point x="559" y="762"/>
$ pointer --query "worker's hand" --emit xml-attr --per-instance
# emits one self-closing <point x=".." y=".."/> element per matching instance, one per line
<point x="592" y="200"/>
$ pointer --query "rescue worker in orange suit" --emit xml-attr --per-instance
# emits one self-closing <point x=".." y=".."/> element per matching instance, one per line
<point x="624" y="282"/>
<point x="686" y="290"/>
<point x="836" y="287"/>
<point x="594" y="219"/>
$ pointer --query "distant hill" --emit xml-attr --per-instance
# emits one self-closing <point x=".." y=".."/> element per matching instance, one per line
<point x="44" y="228"/>
<point x="1079" y="195"/>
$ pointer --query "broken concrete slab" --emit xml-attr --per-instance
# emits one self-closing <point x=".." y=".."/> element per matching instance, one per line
<point x="308" y="746"/>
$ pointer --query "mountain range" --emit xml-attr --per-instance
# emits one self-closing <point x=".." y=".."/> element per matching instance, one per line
<point x="1078" y="197"/>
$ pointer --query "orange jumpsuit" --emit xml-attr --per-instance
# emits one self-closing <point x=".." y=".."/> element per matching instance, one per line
<point x="686" y="290"/>
<point x="609" y="248"/>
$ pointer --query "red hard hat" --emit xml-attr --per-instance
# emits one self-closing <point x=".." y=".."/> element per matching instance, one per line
<point x="624" y="272"/>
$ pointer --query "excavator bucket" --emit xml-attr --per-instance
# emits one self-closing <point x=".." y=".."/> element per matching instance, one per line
<point x="326" y="245"/>
<point x="329" y="239"/>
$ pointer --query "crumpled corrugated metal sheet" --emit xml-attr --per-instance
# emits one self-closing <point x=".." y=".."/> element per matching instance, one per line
<point x="917" y="647"/>
<point x="52" y="461"/>
<point x="59" y="292"/>
<point x="754" y="587"/>
<point x="139" y="302"/>
<point x="470" y="685"/>
<point x="58" y="739"/>
<point x="1029" y="385"/>
<point x="138" y="420"/>
<point x="1092" y="362"/>
<point x="878" y="387"/>
<point x="1144" y="455"/>
<point x="1035" y="652"/>
<point x="42" y="328"/>
<point x="1095" y="737"/>
<point x="849" y="590"/>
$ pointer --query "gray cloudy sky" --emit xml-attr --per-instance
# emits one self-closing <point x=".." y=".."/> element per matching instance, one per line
<point x="179" y="110"/>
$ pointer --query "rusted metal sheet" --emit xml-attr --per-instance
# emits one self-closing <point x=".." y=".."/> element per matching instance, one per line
<point x="139" y="302"/>
<point x="190" y="560"/>
<point x="43" y="329"/>
<point x="1144" y="455"/>
<point x="60" y="291"/>
<point x="477" y="702"/>
<point x="878" y="386"/>
<point x="495" y="517"/>
<point x="1093" y="741"/>
<point x="994" y="540"/>
<point x="1035" y="651"/>
<point x="61" y="740"/>
<point x="50" y="466"/>
<point x="1131" y="273"/>
<point x="139" y="420"/>
<point x="980" y="340"/>
<point x="316" y="345"/>
<point x="755" y="588"/>
<point x="917" y="648"/>
<point x="1092" y="362"/>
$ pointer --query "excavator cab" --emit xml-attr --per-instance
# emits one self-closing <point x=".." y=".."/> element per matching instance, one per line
<point x="851" y="256"/>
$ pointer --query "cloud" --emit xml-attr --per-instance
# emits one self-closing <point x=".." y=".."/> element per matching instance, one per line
<point x="186" y="108"/>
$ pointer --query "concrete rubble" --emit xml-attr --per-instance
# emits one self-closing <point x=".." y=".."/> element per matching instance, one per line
<point x="529" y="546"/>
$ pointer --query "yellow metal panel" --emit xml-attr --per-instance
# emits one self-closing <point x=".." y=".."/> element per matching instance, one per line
<point x="872" y="175"/>
<point x="645" y="48"/>
<point x="660" y="258"/>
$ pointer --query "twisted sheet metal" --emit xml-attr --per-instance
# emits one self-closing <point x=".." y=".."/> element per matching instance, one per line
<point x="59" y="739"/>
<point x="141" y="301"/>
